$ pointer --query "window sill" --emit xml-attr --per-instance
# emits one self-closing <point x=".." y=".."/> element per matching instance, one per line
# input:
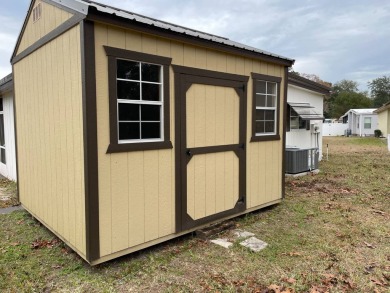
<point x="136" y="147"/>
<point x="265" y="138"/>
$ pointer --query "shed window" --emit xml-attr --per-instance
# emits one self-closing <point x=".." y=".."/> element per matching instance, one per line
<point x="139" y="100"/>
<point x="266" y="100"/>
<point x="367" y="122"/>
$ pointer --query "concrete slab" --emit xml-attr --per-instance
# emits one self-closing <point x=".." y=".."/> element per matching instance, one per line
<point x="222" y="242"/>
<point x="254" y="244"/>
<point x="243" y="234"/>
<point x="10" y="210"/>
<point x="314" y="172"/>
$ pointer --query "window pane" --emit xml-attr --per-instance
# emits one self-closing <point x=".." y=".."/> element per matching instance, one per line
<point x="129" y="130"/>
<point x="150" y="113"/>
<point x="271" y="88"/>
<point x="127" y="69"/>
<point x="2" y="140"/>
<point x="294" y="122"/>
<point x="3" y="156"/>
<point x="128" y="112"/>
<point x="269" y="126"/>
<point x="1" y="104"/>
<point x="151" y="72"/>
<point x="150" y="92"/>
<point x="261" y="87"/>
<point x="302" y="123"/>
<point x="260" y="114"/>
<point x="128" y="90"/>
<point x="269" y="115"/>
<point x="151" y="130"/>
<point x="259" y="126"/>
<point x="260" y="100"/>
<point x="270" y="101"/>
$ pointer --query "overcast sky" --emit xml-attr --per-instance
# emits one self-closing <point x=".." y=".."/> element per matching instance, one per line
<point x="343" y="39"/>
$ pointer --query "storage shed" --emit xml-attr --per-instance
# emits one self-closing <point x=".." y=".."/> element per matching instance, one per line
<point x="132" y="131"/>
<point x="384" y="119"/>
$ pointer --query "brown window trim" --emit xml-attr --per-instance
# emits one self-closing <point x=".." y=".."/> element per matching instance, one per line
<point x="265" y="137"/>
<point x="115" y="147"/>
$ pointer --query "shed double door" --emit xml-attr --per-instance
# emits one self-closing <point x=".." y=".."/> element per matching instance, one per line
<point x="210" y="146"/>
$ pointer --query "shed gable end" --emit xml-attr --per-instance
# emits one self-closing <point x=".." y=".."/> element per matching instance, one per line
<point x="43" y="17"/>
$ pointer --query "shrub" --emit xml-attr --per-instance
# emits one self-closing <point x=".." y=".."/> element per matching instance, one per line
<point x="378" y="133"/>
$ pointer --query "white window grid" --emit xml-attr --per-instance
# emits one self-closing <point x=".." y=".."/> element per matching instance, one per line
<point x="143" y="102"/>
<point x="274" y="108"/>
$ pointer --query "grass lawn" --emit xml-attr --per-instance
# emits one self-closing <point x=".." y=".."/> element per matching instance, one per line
<point x="330" y="234"/>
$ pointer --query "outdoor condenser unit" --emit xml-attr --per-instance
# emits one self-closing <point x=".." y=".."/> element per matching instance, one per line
<point x="301" y="160"/>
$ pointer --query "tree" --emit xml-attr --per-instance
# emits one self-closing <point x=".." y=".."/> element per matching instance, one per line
<point x="344" y="86"/>
<point x="380" y="90"/>
<point x="349" y="100"/>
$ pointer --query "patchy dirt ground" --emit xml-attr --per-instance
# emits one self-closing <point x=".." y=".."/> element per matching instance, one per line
<point x="330" y="234"/>
<point x="7" y="193"/>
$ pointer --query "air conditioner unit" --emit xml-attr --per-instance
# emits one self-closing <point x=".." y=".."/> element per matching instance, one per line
<point x="301" y="160"/>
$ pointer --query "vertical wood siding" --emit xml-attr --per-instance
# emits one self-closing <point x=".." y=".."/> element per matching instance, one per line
<point x="136" y="189"/>
<point x="51" y="18"/>
<point x="212" y="184"/>
<point x="212" y="116"/>
<point x="48" y="96"/>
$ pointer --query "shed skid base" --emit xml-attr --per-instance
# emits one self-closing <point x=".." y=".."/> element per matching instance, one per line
<point x="172" y="236"/>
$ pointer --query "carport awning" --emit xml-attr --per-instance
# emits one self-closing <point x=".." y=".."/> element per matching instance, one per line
<point x="306" y="111"/>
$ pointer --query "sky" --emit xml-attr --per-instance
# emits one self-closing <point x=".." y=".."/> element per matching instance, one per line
<point x="348" y="39"/>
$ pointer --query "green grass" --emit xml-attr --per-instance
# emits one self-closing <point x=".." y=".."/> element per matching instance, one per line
<point x="331" y="232"/>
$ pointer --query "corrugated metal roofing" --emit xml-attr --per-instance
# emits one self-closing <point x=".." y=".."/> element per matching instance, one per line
<point x="177" y="28"/>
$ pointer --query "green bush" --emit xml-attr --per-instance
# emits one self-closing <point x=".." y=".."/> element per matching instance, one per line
<point x="378" y="133"/>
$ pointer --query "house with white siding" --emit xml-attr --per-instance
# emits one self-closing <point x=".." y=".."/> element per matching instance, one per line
<point x="304" y="115"/>
<point x="7" y="130"/>
<point x="361" y="122"/>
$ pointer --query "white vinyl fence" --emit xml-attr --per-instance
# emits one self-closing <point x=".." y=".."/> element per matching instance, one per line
<point x="334" y="129"/>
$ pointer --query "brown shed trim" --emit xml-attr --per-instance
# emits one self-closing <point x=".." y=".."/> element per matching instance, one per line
<point x="97" y="16"/>
<point x="184" y="78"/>
<point x="90" y="140"/>
<point x="71" y="22"/>
<point x="308" y="84"/>
<point x="265" y="137"/>
<point x="115" y="147"/>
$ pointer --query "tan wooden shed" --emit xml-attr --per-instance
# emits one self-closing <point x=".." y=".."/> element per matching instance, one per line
<point x="132" y="131"/>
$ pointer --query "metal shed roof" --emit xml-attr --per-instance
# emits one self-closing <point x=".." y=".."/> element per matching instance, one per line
<point x="177" y="28"/>
<point x="86" y="7"/>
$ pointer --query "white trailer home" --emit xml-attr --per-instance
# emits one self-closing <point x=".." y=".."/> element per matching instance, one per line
<point x="7" y="129"/>
<point x="305" y="99"/>
<point x="361" y="122"/>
